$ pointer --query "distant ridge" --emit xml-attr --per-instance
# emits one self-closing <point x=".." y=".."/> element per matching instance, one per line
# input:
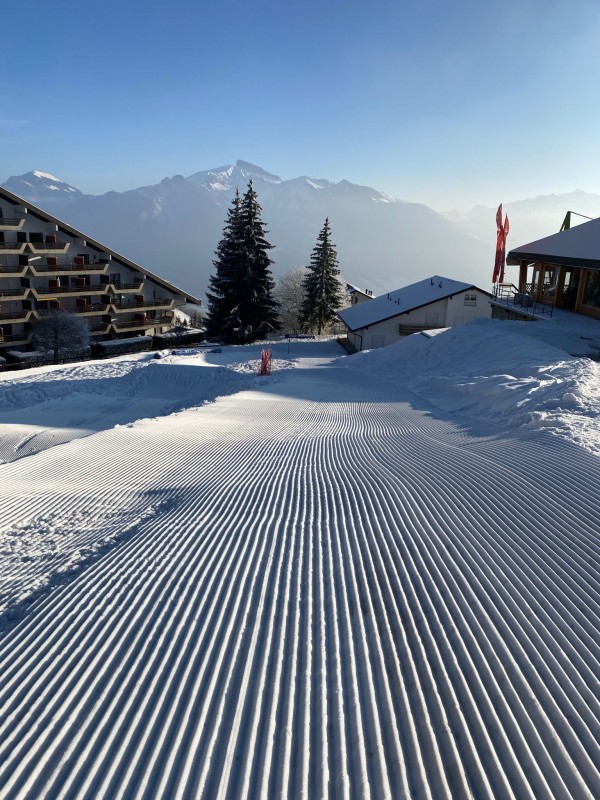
<point x="173" y="227"/>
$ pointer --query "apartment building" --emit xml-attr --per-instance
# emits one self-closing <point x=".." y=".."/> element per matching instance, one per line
<point x="46" y="264"/>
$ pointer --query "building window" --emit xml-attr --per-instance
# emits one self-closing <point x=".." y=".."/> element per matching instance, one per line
<point x="470" y="299"/>
<point x="591" y="295"/>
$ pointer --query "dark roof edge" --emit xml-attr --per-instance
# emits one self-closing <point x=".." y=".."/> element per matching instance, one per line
<point x="416" y="308"/>
<point x="514" y="257"/>
<point x="74" y="232"/>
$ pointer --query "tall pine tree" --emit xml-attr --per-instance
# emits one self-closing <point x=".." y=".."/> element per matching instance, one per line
<point x="241" y="303"/>
<point x="322" y="286"/>
<point x="221" y="294"/>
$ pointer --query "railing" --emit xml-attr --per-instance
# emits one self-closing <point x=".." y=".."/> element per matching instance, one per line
<point x="509" y="295"/>
<point x="87" y="289"/>
<point x="14" y="269"/>
<point x="119" y="286"/>
<point x="12" y="245"/>
<point x="90" y="308"/>
<point x="13" y="337"/>
<point x="48" y="245"/>
<point x="18" y="292"/>
<point x="14" y="315"/>
<point x="11" y="220"/>
<point x="141" y="323"/>
<point x="143" y="304"/>
<point x="71" y="267"/>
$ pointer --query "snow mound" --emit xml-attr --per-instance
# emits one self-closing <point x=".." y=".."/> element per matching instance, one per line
<point x="486" y="371"/>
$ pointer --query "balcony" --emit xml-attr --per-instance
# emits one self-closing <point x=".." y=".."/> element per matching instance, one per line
<point x="90" y="308"/>
<point x="140" y="305"/>
<point x="14" y="338"/>
<point x="54" y="268"/>
<point x="11" y="223"/>
<point x="16" y="293"/>
<point x="14" y="248"/>
<point x="14" y="316"/>
<point x="128" y="287"/>
<point x="43" y="292"/>
<point x="100" y="328"/>
<point x="14" y="271"/>
<point x="148" y="322"/>
<point x="39" y="248"/>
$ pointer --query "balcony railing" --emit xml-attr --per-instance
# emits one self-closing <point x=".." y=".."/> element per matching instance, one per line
<point x="93" y="266"/>
<point x="143" y="304"/>
<point x="87" y="289"/>
<point x="12" y="315"/>
<point x="48" y="246"/>
<point x="16" y="247"/>
<point x="509" y="295"/>
<point x="119" y="287"/>
<point x="11" y="338"/>
<point x="18" y="293"/>
<point x="16" y="269"/>
<point x="141" y="323"/>
<point x="90" y="308"/>
<point x="14" y="223"/>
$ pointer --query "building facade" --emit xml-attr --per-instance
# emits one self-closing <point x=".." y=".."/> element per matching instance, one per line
<point x="561" y="270"/>
<point x="46" y="265"/>
<point x="436" y="302"/>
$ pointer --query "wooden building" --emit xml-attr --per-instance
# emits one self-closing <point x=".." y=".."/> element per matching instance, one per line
<point x="563" y="269"/>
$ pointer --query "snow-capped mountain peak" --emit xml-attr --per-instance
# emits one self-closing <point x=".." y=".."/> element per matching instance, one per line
<point x="227" y="178"/>
<point x="40" y="187"/>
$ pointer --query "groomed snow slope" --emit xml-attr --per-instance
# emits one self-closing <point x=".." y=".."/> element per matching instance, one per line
<point x="318" y="586"/>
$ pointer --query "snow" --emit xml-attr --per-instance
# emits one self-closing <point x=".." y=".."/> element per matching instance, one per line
<point x="489" y="370"/>
<point x="46" y="176"/>
<point x="364" y="576"/>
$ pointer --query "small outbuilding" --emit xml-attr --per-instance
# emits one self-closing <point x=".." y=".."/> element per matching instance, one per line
<point x="356" y="295"/>
<point x="435" y="302"/>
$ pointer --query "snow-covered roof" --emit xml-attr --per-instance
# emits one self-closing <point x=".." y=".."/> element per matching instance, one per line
<point x="408" y="298"/>
<point x="351" y="289"/>
<point x="578" y="247"/>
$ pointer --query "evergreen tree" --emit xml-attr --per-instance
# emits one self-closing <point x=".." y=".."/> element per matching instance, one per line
<point x="221" y="294"/>
<point x="241" y="303"/>
<point x="321" y="285"/>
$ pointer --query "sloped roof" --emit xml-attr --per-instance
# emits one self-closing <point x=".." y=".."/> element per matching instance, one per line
<point x="68" y="229"/>
<point x="408" y="298"/>
<point x="578" y="247"/>
<point x="351" y="289"/>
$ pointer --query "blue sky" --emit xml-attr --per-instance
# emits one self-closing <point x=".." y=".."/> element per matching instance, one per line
<point x="450" y="104"/>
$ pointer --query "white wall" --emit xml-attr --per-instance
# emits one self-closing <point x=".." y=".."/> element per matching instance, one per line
<point x="444" y="313"/>
<point x="457" y="309"/>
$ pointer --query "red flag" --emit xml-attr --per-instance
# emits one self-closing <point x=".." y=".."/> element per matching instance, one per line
<point x="499" y="238"/>
<point x="503" y="251"/>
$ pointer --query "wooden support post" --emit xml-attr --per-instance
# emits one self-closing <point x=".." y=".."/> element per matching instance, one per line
<point x="560" y="286"/>
<point x="580" y="290"/>
<point x="522" y="275"/>
<point x="541" y="268"/>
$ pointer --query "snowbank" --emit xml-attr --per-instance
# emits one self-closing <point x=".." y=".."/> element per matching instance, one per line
<point x="486" y="370"/>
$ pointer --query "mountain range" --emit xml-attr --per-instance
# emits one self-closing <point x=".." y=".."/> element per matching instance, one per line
<point x="173" y="227"/>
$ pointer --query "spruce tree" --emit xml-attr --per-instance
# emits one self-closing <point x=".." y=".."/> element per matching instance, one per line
<point x="322" y="286"/>
<point x="241" y="304"/>
<point x="257" y="310"/>
<point x="222" y="285"/>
